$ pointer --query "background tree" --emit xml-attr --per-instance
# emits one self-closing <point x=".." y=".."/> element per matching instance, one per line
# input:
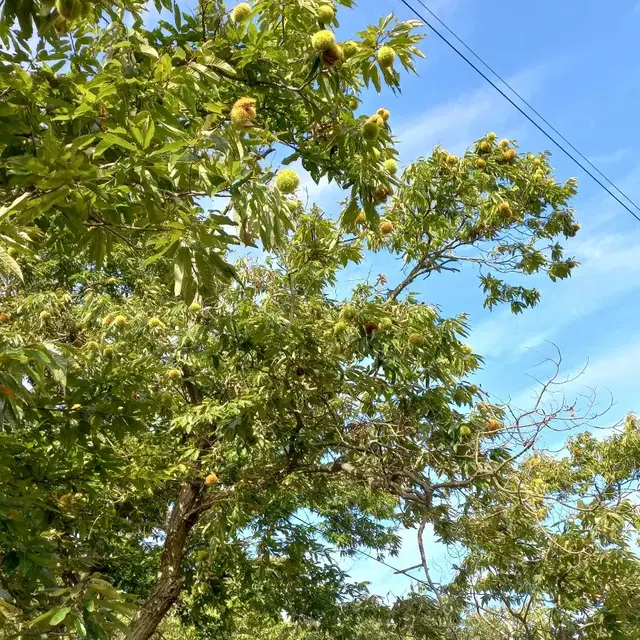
<point x="207" y="449"/>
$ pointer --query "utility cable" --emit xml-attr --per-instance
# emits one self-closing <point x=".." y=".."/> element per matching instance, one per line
<point x="526" y="115"/>
<point x="529" y="105"/>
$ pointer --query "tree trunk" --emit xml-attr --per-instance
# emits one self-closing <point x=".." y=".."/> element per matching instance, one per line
<point x="169" y="583"/>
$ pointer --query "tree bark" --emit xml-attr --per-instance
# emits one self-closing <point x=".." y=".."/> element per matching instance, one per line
<point x="166" y="590"/>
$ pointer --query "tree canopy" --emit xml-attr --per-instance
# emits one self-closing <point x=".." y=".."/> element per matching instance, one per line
<point x="189" y="436"/>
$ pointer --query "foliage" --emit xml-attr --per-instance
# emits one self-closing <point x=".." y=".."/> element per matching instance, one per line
<point x="574" y="571"/>
<point x="117" y="134"/>
<point x="187" y="437"/>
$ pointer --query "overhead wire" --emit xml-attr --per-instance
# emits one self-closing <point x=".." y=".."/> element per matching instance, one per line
<point x="526" y="102"/>
<point x="524" y="113"/>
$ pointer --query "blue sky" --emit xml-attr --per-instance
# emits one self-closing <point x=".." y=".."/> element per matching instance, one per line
<point x="572" y="61"/>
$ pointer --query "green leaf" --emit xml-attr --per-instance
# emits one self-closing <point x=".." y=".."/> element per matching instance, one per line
<point x="109" y="140"/>
<point x="8" y="264"/>
<point x="182" y="269"/>
<point x="170" y="243"/>
<point x="375" y="78"/>
<point x="220" y="64"/>
<point x="44" y="617"/>
<point x="5" y="210"/>
<point x="223" y="268"/>
<point x="148" y="50"/>
<point x="292" y="158"/>
<point x="148" y="133"/>
<point x="59" y="616"/>
<point x="206" y="279"/>
<point x="163" y="68"/>
<point x="170" y="147"/>
<point x="79" y="625"/>
<point x="124" y="608"/>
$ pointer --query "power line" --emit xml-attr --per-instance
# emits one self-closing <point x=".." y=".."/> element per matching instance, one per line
<point x="529" y="105"/>
<point x="526" y="115"/>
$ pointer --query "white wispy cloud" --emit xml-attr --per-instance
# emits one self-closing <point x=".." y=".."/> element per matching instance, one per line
<point x="608" y="274"/>
<point x="609" y="271"/>
<point x="456" y="123"/>
<point x="611" y="368"/>
<point x="617" y="155"/>
<point x="603" y="386"/>
<point x="445" y="8"/>
<point x="323" y="193"/>
<point x="602" y="209"/>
